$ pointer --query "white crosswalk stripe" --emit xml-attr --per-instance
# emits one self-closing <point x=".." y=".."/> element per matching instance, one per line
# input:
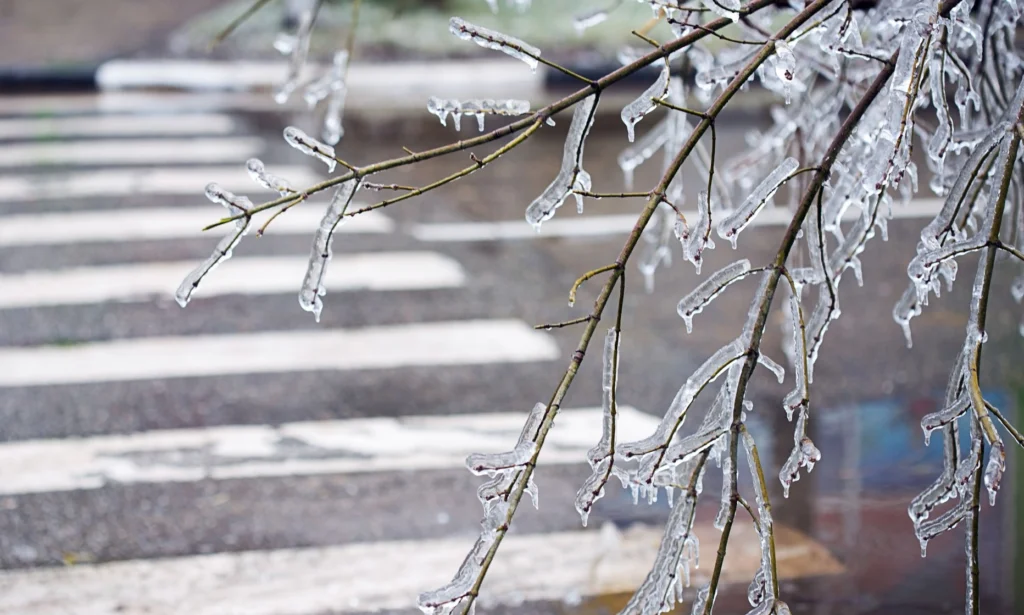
<point x="465" y="342"/>
<point x="307" y="448"/>
<point x="130" y="151"/>
<point x="218" y="448"/>
<point x="78" y="227"/>
<point x="247" y="276"/>
<point x="57" y="128"/>
<point x="125" y="182"/>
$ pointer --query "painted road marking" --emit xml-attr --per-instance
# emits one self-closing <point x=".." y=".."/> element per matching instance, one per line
<point x="114" y="225"/>
<point x="435" y="344"/>
<point x="295" y="449"/>
<point x="247" y="275"/>
<point x="130" y="151"/>
<point x="123" y="182"/>
<point x="116" y="126"/>
<point x="366" y="577"/>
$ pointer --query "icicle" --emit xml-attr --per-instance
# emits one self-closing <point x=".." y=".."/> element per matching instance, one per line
<point x="639" y="152"/>
<point x="492" y="39"/>
<point x="477" y="108"/>
<point x="731" y="226"/>
<point x="271" y="182"/>
<point x="907" y="308"/>
<point x="313" y="283"/>
<point x="310" y="146"/>
<point x="644" y="104"/>
<point x="236" y="205"/>
<point x="662" y="588"/>
<point x="693" y="303"/>
<point x="584" y="21"/>
<point x="543" y="207"/>
<point x="994" y="470"/>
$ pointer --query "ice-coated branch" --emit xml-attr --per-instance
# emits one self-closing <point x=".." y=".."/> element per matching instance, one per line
<point x="644" y="104"/>
<point x="664" y="584"/>
<point x="492" y="39"/>
<point x="601" y="456"/>
<point x="310" y="146"/>
<point x="566" y="102"/>
<point x="259" y="174"/>
<point x="505" y="469"/>
<point x="313" y="283"/>
<point x="731" y="226"/>
<point x="236" y="205"/>
<point x="571" y="176"/>
<point x="694" y="303"/>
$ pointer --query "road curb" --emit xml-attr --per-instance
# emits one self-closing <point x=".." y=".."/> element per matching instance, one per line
<point x="18" y="80"/>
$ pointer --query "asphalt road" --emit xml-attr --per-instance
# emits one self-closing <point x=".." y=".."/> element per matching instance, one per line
<point x="136" y="435"/>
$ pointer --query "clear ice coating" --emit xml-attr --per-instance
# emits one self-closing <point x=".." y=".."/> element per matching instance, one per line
<point x="601" y="456"/>
<point x="332" y="80"/>
<point x="505" y="469"/>
<point x="698" y="238"/>
<point x="730" y="9"/>
<point x="492" y="39"/>
<point x="644" y="104"/>
<point x="297" y="47"/>
<point x="785" y="66"/>
<point x="313" y="283"/>
<point x="588" y="19"/>
<point x="731" y="226"/>
<point x="258" y="173"/>
<point x="694" y="303"/>
<point x="478" y="108"/>
<point x="571" y="175"/>
<point x="236" y="205"/>
<point x="310" y="146"/>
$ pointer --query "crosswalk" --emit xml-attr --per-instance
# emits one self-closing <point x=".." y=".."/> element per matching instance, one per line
<point x="138" y="479"/>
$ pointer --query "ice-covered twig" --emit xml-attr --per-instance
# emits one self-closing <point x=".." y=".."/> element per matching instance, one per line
<point x="602" y="456"/>
<point x="259" y="174"/>
<point x="310" y="146"/>
<point x="731" y="226"/>
<point x="505" y="470"/>
<point x="571" y="175"/>
<point x="298" y="50"/>
<point x="313" y="283"/>
<point x="236" y="206"/>
<point x="644" y="104"/>
<point x="492" y="39"/>
<point x="694" y="303"/>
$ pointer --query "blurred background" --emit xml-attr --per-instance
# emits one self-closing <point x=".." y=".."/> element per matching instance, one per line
<point x="238" y="457"/>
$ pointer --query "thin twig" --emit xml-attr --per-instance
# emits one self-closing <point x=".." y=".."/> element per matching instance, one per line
<point x="586" y="276"/>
